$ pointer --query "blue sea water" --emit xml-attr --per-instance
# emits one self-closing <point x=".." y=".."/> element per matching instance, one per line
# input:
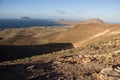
<point x="16" y="23"/>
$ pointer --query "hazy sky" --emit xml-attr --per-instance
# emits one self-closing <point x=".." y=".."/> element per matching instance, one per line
<point x="107" y="10"/>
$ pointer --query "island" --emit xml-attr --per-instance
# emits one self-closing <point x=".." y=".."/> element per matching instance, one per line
<point x="24" y="18"/>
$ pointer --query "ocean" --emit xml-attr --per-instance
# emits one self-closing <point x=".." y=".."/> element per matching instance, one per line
<point x="16" y="23"/>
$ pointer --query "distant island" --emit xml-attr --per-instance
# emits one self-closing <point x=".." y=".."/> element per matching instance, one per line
<point x="24" y="18"/>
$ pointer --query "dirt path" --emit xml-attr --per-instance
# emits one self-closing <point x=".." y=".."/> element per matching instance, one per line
<point x="92" y="37"/>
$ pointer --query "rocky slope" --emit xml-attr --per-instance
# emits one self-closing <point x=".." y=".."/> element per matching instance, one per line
<point x="98" y="61"/>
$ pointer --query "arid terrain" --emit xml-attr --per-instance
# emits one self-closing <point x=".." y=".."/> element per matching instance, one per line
<point x="87" y="50"/>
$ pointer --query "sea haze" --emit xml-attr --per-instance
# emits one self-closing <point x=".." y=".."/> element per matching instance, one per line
<point x="16" y="23"/>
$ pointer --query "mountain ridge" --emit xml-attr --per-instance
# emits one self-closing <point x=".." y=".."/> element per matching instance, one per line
<point x="92" y="21"/>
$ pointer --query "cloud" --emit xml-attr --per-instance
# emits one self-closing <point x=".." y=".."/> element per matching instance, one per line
<point x="61" y="12"/>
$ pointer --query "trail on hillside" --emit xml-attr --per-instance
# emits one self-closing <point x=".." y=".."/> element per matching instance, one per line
<point x="107" y="32"/>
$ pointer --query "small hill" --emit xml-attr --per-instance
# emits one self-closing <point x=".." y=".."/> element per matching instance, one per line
<point x="74" y="22"/>
<point x="94" y="20"/>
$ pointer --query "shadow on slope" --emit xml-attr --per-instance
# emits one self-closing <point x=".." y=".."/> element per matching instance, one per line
<point x="1" y="38"/>
<point x="36" y="71"/>
<point x="17" y="52"/>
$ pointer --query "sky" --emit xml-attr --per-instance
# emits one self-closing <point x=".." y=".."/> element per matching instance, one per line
<point x="107" y="10"/>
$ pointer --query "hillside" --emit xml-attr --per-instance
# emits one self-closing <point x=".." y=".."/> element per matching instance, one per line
<point x="29" y="36"/>
<point x="77" y="34"/>
<point x="27" y="42"/>
<point x="83" y="34"/>
<point x="98" y="61"/>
